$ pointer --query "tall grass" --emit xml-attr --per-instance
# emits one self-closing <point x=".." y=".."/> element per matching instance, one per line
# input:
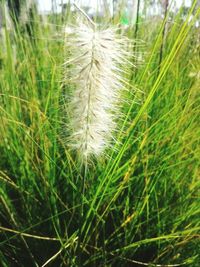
<point x="141" y="202"/>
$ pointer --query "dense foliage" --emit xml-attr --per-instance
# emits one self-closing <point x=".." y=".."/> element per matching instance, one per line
<point x="140" y="204"/>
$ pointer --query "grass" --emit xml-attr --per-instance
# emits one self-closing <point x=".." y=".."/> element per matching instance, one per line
<point x="141" y="202"/>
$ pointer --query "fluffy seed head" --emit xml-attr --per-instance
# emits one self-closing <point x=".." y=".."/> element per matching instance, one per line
<point x="95" y="68"/>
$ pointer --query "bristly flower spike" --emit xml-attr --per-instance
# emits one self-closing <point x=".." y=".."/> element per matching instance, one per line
<point x="95" y="67"/>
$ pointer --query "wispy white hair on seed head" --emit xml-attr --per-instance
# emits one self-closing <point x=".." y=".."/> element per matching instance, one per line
<point x="95" y="70"/>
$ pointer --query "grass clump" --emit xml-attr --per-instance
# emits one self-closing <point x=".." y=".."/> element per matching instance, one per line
<point x="141" y="202"/>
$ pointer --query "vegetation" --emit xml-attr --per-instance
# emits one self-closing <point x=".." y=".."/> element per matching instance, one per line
<point x="140" y="204"/>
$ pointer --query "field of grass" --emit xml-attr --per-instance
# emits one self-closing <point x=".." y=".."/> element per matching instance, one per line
<point x="141" y="205"/>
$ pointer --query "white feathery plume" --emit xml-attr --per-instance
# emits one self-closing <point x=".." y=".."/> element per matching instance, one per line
<point x="95" y="67"/>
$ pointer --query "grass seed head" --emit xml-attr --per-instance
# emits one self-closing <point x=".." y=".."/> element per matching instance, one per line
<point x="95" y="67"/>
